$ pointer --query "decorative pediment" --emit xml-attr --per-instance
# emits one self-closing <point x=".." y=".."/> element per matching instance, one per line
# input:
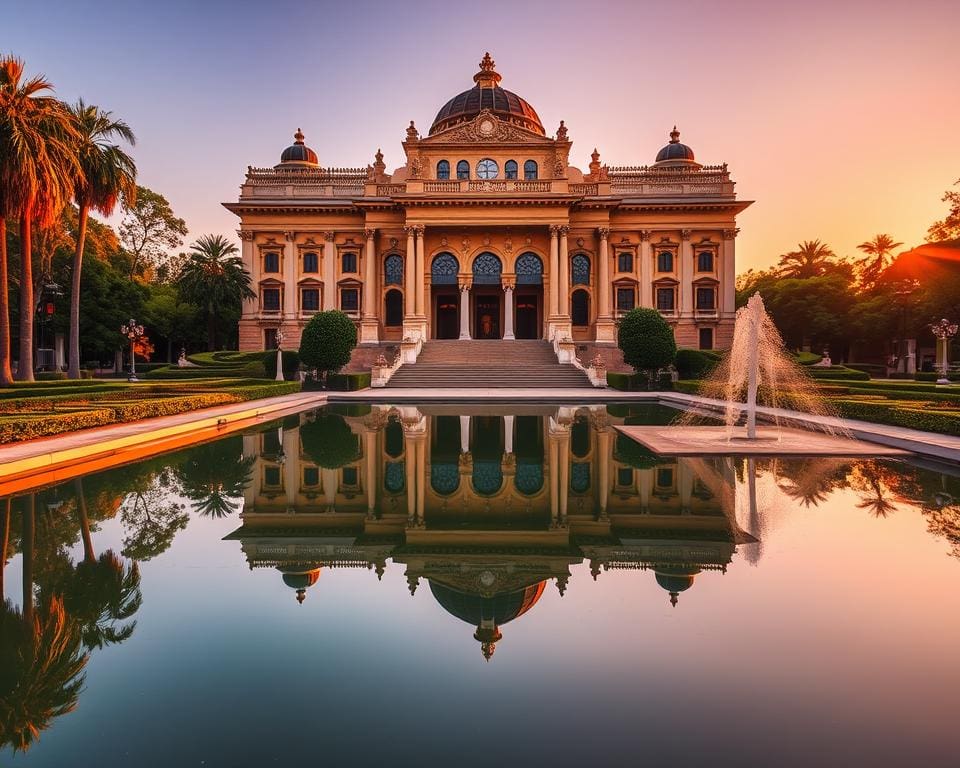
<point x="486" y="128"/>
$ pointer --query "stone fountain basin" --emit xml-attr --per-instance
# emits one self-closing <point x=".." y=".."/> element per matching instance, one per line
<point x="770" y="441"/>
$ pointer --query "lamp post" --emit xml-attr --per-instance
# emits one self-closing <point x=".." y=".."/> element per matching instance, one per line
<point x="132" y="331"/>
<point x="944" y="331"/>
<point x="279" y="376"/>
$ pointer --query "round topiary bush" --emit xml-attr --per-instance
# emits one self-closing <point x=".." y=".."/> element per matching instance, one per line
<point x="646" y="340"/>
<point x="329" y="442"/>
<point x="327" y="341"/>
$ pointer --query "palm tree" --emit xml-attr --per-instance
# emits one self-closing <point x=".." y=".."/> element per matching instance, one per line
<point x="37" y="165"/>
<point x="212" y="277"/>
<point x="811" y="259"/>
<point x="214" y="476"/>
<point x="106" y="172"/>
<point x="879" y="252"/>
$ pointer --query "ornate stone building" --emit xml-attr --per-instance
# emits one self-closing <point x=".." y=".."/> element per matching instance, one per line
<point x="487" y="231"/>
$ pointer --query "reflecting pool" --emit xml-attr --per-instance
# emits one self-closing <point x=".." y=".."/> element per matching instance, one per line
<point x="373" y="585"/>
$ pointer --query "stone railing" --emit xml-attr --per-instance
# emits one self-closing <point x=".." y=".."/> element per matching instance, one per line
<point x="584" y="189"/>
<point x="385" y="190"/>
<point x="493" y="185"/>
<point x="382" y="370"/>
<point x="566" y="351"/>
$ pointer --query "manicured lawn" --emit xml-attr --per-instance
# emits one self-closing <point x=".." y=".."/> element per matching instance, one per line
<point x="49" y="408"/>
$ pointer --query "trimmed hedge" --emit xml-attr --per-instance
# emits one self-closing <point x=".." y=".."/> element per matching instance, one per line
<point x="838" y="373"/>
<point x="29" y="427"/>
<point x="875" y="370"/>
<point x="895" y="414"/>
<point x="291" y="364"/>
<point x="807" y="358"/>
<point x="696" y="363"/>
<point x="926" y="376"/>
<point x="348" y="382"/>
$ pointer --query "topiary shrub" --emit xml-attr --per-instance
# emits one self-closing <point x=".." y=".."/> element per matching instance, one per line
<point x="291" y="363"/>
<point x="328" y="441"/>
<point x="646" y="340"/>
<point x="695" y="363"/>
<point x="327" y="341"/>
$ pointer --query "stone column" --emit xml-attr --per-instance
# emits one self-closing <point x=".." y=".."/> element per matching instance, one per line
<point x="686" y="274"/>
<point x="465" y="309"/>
<point x="554" y="452"/>
<point x="290" y="441"/>
<point x="564" y="287"/>
<point x="646" y="485"/>
<point x="329" y="271"/>
<point x="251" y="263"/>
<point x="646" y="270"/>
<point x="606" y="331"/>
<point x="464" y="434"/>
<point x="370" y="469"/>
<point x="508" y="309"/>
<point x="603" y="473"/>
<point x="409" y="268"/>
<point x="564" y="480"/>
<point x="728" y="279"/>
<point x="554" y="271"/>
<point x="420" y="273"/>
<point x="369" y="327"/>
<point x="685" y="479"/>
<point x="329" y="479"/>
<point x="508" y="434"/>
<point x="290" y="277"/>
<point x="421" y="478"/>
<point x="410" y="469"/>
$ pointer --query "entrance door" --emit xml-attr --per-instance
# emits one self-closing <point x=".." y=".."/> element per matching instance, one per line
<point x="486" y="314"/>
<point x="448" y="321"/>
<point x="528" y="325"/>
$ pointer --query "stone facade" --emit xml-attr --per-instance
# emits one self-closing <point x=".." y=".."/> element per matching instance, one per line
<point x="486" y="231"/>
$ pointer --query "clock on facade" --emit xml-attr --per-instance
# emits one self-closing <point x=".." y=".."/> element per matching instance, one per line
<point x="487" y="169"/>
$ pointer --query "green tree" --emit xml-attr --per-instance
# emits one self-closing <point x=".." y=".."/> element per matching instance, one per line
<point x="948" y="228"/>
<point x="647" y="340"/>
<point x="37" y="165"/>
<point x="150" y="230"/>
<point x="327" y="342"/>
<point x="214" y="278"/>
<point x="811" y="259"/>
<point x="879" y="252"/>
<point x="213" y="477"/>
<point x="329" y="441"/>
<point x="106" y="172"/>
<point x="151" y="518"/>
<point x="168" y="316"/>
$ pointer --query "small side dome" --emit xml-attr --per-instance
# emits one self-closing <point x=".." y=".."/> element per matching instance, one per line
<point x="298" y="153"/>
<point x="300" y="579"/>
<point x="676" y="154"/>
<point x="675" y="579"/>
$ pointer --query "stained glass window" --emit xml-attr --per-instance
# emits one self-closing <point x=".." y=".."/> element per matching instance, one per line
<point x="443" y="169"/>
<point x="443" y="270"/>
<point x="463" y="170"/>
<point x="530" y="170"/>
<point x="487" y="269"/>
<point x="393" y="270"/>
<point x="529" y="269"/>
<point x="510" y="169"/>
<point x="580" y="269"/>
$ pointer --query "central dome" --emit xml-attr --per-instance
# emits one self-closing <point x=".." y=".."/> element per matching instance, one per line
<point x="487" y="94"/>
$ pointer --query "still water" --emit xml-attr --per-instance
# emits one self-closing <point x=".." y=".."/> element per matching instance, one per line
<point x="421" y="586"/>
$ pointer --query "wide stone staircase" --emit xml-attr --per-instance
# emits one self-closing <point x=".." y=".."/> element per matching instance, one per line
<point x="481" y="364"/>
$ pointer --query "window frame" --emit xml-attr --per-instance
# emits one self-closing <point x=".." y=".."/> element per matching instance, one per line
<point x="672" y="289"/>
<point x="268" y="258"/>
<point x="344" y="255"/>
<point x="344" y="289"/>
<point x="278" y="290"/>
<point x="531" y="170"/>
<point x="696" y="298"/>
<point x="443" y="170"/>
<point x="628" y="255"/>
<point x="700" y="332"/>
<point x="619" y="290"/>
<point x="713" y="261"/>
<point x="661" y="254"/>
<point x="312" y="289"/>
<point x="463" y="170"/>
<point x="511" y="170"/>
<point x="586" y="308"/>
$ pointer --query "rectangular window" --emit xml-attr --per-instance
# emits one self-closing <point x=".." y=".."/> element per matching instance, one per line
<point x="665" y="261"/>
<point x="625" y="477"/>
<point x="664" y="478"/>
<point x="626" y="299"/>
<point x="310" y="299"/>
<point x="705" y="261"/>
<point x="311" y="477"/>
<point x="706" y="338"/>
<point x="350" y="476"/>
<point x="666" y="299"/>
<point x="311" y="264"/>
<point x="271" y="262"/>
<point x="348" y="263"/>
<point x="271" y="477"/>
<point x="350" y="299"/>
<point x="706" y="298"/>
<point x="270" y="338"/>
<point x="625" y="261"/>
<point x="271" y="300"/>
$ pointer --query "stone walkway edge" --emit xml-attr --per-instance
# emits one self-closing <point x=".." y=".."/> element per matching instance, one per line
<point x="116" y="443"/>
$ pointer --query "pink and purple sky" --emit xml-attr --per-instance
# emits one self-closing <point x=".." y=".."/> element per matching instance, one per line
<point x="841" y="119"/>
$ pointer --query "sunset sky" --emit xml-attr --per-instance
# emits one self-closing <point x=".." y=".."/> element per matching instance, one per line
<point x="839" y="118"/>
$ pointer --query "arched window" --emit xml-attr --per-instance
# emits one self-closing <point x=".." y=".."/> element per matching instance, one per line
<point x="486" y="269"/>
<point x="443" y="270"/>
<point x="580" y="269"/>
<point x="529" y="269"/>
<point x="529" y="477"/>
<point x="530" y="170"/>
<point x="463" y="170"/>
<point x="705" y="261"/>
<point x="443" y="169"/>
<point x="444" y="477"/>
<point x="393" y="270"/>
<point x="580" y="308"/>
<point x="510" y="169"/>
<point x="487" y="477"/>
<point x="665" y="261"/>
<point x="393" y="308"/>
<point x="393" y="438"/>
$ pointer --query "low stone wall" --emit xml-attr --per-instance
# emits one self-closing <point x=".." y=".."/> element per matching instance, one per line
<point x="365" y="355"/>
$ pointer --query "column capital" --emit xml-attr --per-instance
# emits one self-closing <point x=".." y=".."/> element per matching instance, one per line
<point x="604" y="232"/>
<point x="685" y="234"/>
<point x="554" y="230"/>
<point x="645" y="235"/>
<point x="330" y="237"/>
<point x="465" y="283"/>
<point x="245" y="234"/>
<point x="563" y="229"/>
<point x="370" y="233"/>
<point x="730" y="234"/>
<point x="508" y="282"/>
<point x="290" y="236"/>
<point x="419" y="229"/>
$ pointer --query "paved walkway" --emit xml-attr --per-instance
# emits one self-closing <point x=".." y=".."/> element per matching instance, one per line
<point x="73" y="453"/>
<point x="924" y="443"/>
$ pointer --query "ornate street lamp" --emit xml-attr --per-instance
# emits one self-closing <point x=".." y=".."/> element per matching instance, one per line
<point x="279" y="376"/>
<point x="944" y="331"/>
<point x="132" y="331"/>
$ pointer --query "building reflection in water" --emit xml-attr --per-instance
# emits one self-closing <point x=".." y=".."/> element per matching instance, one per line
<point x="487" y="508"/>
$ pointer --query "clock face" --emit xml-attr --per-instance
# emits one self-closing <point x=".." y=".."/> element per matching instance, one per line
<point x="487" y="169"/>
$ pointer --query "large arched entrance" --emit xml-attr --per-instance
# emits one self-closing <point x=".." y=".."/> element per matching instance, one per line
<point x="487" y="296"/>
<point x="529" y="296"/>
<point x="445" y="296"/>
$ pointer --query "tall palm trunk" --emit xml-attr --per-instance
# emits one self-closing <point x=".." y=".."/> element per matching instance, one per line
<point x="26" y="558"/>
<point x="73" y="365"/>
<point x="25" y="368"/>
<point x="88" y="554"/>
<point x="4" y="540"/>
<point x="6" y="372"/>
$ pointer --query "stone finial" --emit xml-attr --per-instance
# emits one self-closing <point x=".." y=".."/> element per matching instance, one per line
<point x="412" y="133"/>
<point x="594" y="163"/>
<point x="562" y="132"/>
<point x="298" y="137"/>
<point x="674" y="136"/>
<point x="487" y="77"/>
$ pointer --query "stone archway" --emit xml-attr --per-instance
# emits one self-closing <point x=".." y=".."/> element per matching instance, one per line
<point x="487" y="296"/>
